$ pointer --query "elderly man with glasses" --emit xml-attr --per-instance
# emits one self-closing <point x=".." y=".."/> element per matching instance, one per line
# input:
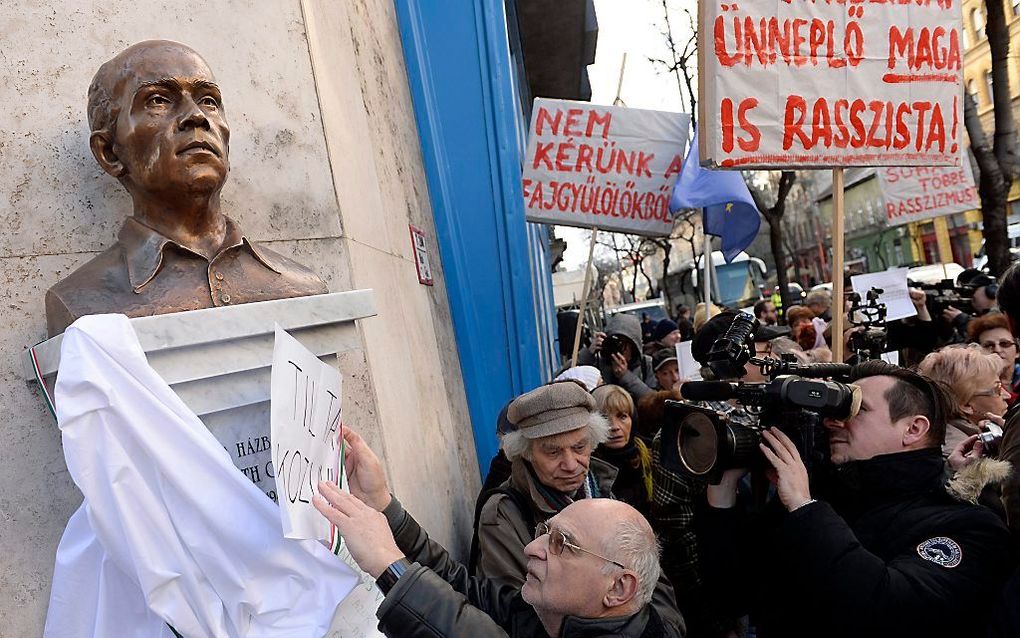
<point x="592" y="569"/>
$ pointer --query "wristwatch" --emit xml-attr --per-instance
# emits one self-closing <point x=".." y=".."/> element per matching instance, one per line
<point x="389" y="578"/>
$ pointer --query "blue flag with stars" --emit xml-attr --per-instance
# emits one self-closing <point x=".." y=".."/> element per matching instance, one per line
<point x="730" y="212"/>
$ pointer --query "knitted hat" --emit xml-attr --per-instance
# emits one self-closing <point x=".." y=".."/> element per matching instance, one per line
<point x="588" y="375"/>
<point x="663" y="328"/>
<point x="551" y="409"/>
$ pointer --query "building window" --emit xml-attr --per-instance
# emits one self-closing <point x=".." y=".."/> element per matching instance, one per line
<point x="988" y="86"/>
<point x="1016" y="7"/>
<point x="972" y="90"/>
<point x="977" y="22"/>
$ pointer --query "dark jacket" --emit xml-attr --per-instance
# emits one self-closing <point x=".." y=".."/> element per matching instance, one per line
<point x="633" y="464"/>
<point x="893" y="555"/>
<point x="1009" y="450"/>
<point x="436" y="597"/>
<point x="639" y="379"/>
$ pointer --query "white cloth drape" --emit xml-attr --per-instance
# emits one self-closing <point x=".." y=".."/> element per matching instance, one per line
<point x="170" y="531"/>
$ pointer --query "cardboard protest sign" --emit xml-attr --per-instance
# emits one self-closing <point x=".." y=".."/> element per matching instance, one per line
<point x="801" y="83"/>
<point x="305" y="409"/>
<point x="604" y="166"/>
<point x="915" y="193"/>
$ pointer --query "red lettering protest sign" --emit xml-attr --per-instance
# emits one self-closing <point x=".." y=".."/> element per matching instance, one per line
<point x="829" y="83"/>
<point x="915" y="193"/>
<point x="603" y="166"/>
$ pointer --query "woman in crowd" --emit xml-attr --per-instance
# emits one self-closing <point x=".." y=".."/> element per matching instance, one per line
<point x="991" y="332"/>
<point x="802" y="328"/>
<point x="972" y="377"/>
<point x="624" y="451"/>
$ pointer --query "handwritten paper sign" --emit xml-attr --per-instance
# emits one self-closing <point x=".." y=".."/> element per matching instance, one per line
<point x="801" y="83"/>
<point x="604" y="166"/>
<point x="915" y="193"/>
<point x="895" y="295"/>
<point x="305" y="410"/>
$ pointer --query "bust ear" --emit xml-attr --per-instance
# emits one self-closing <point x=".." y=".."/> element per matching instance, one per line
<point x="101" y="143"/>
<point x="623" y="591"/>
<point x="917" y="430"/>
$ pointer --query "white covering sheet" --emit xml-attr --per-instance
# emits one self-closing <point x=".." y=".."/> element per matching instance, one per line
<point x="170" y="531"/>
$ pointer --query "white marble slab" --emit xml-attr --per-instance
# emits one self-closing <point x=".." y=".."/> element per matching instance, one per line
<point x="219" y="361"/>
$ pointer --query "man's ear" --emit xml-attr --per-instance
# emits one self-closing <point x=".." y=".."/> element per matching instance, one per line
<point x="623" y="591"/>
<point x="917" y="430"/>
<point x="967" y="408"/>
<point x="101" y="143"/>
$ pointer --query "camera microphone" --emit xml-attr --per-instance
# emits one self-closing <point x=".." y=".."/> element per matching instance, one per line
<point x="707" y="391"/>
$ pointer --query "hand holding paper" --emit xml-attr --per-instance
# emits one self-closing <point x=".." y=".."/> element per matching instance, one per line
<point x="365" y="530"/>
<point x="366" y="478"/>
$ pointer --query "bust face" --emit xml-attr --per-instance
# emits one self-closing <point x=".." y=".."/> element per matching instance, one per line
<point x="171" y="134"/>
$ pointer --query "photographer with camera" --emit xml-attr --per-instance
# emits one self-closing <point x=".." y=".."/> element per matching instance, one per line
<point x="617" y="354"/>
<point x="675" y="495"/>
<point x="973" y="294"/>
<point x="884" y="550"/>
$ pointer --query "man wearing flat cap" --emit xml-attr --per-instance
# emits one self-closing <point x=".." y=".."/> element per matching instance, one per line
<point x="557" y="428"/>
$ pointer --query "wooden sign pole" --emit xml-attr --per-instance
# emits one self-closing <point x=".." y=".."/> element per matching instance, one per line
<point x="585" y="290"/>
<point x="837" y="265"/>
<point x="706" y="257"/>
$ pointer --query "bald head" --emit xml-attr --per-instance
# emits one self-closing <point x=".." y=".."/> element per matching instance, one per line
<point x="131" y="66"/>
<point x="624" y="536"/>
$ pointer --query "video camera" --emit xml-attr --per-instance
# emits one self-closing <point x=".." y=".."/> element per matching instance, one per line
<point x="701" y="442"/>
<point x="872" y="341"/>
<point x="946" y="293"/>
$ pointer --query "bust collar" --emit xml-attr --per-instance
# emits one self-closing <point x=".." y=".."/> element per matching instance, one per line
<point x="143" y="250"/>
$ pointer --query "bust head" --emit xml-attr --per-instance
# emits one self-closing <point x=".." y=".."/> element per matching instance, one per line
<point x="158" y="123"/>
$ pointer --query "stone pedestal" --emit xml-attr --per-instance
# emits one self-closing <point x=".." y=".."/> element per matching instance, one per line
<point x="218" y="360"/>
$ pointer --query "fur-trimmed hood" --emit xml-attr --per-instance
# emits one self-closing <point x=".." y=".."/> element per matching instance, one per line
<point x="967" y="484"/>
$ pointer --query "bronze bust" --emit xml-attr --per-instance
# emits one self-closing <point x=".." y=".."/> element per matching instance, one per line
<point x="158" y="125"/>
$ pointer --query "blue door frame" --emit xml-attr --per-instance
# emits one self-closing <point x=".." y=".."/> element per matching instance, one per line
<point x="468" y="115"/>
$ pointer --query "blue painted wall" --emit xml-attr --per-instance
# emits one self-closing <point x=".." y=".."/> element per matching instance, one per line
<point x="471" y="118"/>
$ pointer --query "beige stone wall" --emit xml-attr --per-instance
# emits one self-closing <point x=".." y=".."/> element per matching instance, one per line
<point x="325" y="167"/>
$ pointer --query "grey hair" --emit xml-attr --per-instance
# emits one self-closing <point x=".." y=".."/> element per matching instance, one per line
<point x="636" y="547"/>
<point x="820" y="297"/>
<point x="515" y="445"/>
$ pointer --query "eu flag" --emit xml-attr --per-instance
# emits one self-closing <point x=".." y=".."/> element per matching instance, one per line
<point x="730" y="212"/>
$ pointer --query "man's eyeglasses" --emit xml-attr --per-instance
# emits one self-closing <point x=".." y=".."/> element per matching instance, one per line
<point x="1004" y="344"/>
<point x="995" y="391"/>
<point x="558" y="540"/>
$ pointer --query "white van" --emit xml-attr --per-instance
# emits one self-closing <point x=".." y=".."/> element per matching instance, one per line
<point x="1013" y="238"/>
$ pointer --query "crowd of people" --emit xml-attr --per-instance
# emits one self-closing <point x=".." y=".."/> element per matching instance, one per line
<point x="909" y="527"/>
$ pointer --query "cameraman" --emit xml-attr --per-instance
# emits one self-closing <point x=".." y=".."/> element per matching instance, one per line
<point x="676" y="496"/>
<point x="982" y="301"/>
<point x="886" y="553"/>
<point x="617" y="354"/>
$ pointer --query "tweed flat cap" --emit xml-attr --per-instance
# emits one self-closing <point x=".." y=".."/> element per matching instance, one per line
<point x="551" y="409"/>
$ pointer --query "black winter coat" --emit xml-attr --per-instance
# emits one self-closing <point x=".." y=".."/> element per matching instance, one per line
<point x="436" y="597"/>
<point x="893" y="555"/>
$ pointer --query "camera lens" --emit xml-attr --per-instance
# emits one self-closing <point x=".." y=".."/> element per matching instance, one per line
<point x="698" y="444"/>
